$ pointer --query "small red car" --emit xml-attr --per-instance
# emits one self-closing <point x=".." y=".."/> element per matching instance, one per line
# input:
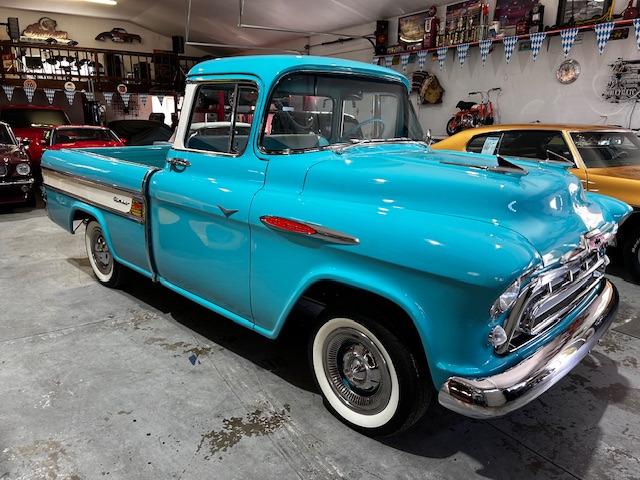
<point x="29" y="123"/>
<point x="16" y="175"/>
<point x="81" y="136"/>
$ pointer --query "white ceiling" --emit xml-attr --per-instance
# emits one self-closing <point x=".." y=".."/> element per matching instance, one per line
<point x="214" y="21"/>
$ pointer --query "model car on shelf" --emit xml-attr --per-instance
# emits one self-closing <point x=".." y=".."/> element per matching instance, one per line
<point x="606" y="159"/>
<point x="119" y="35"/>
<point x="81" y="136"/>
<point x="30" y="123"/>
<point x="425" y="290"/>
<point x="16" y="176"/>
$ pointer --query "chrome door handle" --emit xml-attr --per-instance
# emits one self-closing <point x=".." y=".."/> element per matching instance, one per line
<point x="179" y="162"/>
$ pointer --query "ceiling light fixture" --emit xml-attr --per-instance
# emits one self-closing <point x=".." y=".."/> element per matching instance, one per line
<point x="103" y="2"/>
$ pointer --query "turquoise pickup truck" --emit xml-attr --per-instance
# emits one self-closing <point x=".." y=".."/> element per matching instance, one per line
<point x="473" y="279"/>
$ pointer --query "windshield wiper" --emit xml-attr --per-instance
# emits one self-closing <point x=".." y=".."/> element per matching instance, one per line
<point x="339" y="148"/>
<point x="561" y="157"/>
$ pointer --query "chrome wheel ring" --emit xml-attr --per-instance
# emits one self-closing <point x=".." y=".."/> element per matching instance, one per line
<point x="356" y="371"/>
<point x="102" y="257"/>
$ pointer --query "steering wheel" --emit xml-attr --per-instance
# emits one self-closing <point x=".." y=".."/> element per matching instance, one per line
<point x="365" y="122"/>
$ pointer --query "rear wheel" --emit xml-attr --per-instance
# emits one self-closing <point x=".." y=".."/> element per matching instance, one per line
<point x="368" y="377"/>
<point x="452" y="126"/>
<point x="108" y="272"/>
<point x="631" y="252"/>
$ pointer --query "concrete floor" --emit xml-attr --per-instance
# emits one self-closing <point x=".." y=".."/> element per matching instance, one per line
<point x="142" y="384"/>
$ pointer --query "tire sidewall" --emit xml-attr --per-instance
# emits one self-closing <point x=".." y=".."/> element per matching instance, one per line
<point x="92" y="229"/>
<point x="632" y="253"/>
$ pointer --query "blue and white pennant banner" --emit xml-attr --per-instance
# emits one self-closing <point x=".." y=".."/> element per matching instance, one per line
<point x="50" y="93"/>
<point x="29" y="92"/>
<point x="125" y="99"/>
<point x="70" y="96"/>
<point x="388" y="61"/>
<point x="8" y="91"/>
<point x="143" y="99"/>
<point x="636" y="26"/>
<point x="567" y="37"/>
<point x="462" y="50"/>
<point x="422" y="58"/>
<point x="108" y="96"/>
<point x="404" y="61"/>
<point x="485" y="45"/>
<point x="509" y="45"/>
<point x="603" y="33"/>
<point x="374" y="60"/>
<point x="442" y="55"/>
<point x="89" y="96"/>
<point x="537" y="40"/>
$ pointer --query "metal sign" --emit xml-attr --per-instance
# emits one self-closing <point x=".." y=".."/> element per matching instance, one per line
<point x="29" y="83"/>
<point x="624" y="84"/>
<point x="70" y="87"/>
<point x="122" y="88"/>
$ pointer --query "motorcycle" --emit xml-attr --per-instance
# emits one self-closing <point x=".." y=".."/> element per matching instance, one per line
<point x="473" y="114"/>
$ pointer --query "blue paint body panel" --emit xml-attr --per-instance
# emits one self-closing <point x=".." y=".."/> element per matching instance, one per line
<point x="437" y="236"/>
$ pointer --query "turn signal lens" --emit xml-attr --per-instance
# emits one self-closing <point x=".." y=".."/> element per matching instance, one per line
<point x="506" y="300"/>
<point x="287" y="225"/>
<point x="498" y="336"/>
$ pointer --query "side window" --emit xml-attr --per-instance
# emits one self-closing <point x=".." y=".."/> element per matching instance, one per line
<point x="221" y="118"/>
<point x="484" y="143"/>
<point x="537" y="144"/>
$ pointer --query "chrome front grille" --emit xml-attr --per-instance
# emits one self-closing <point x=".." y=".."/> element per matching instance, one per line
<point x="550" y="295"/>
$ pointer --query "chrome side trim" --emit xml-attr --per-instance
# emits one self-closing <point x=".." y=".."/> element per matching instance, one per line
<point x="505" y="392"/>
<point x="28" y="181"/>
<point x="322" y="233"/>
<point x="147" y="224"/>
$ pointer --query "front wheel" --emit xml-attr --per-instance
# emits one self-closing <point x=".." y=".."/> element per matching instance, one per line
<point x="368" y="378"/>
<point x="108" y="272"/>
<point x="631" y="252"/>
<point x="452" y="126"/>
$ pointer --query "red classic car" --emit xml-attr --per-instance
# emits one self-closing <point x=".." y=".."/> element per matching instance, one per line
<point x="80" y="136"/>
<point x="119" y="35"/>
<point x="29" y="123"/>
<point x="16" y="176"/>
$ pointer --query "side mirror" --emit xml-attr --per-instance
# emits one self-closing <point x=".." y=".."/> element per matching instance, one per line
<point x="427" y="137"/>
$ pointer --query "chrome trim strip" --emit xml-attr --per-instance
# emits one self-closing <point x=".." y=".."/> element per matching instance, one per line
<point x="323" y="233"/>
<point x="512" y="389"/>
<point x="18" y="182"/>
<point x="95" y="183"/>
<point x="146" y="181"/>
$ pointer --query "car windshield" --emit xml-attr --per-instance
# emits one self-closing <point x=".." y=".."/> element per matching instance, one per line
<point x="608" y="149"/>
<point x="310" y="111"/>
<point x="25" y="118"/>
<point x="71" y="135"/>
<point x="6" y="138"/>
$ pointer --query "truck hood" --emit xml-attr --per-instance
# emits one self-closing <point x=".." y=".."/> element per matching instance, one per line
<point x="547" y="206"/>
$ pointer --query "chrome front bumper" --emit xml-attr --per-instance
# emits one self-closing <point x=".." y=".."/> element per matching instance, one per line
<point x="507" y="391"/>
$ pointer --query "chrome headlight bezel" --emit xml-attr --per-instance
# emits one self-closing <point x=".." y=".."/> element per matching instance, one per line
<point x="506" y="300"/>
<point x="23" y="169"/>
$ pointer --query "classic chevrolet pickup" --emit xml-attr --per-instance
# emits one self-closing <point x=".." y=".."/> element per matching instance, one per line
<point x="475" y="278"/>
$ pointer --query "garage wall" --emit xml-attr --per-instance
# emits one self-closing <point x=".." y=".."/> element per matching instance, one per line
<point x="84" y="30"/>
<point x="530" y="90"/>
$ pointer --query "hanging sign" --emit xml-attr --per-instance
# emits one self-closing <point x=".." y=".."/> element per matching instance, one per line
<point x="603" y="33"/>
<point x="485" y="45"/>
<point x="462" y="50"/>
<point x="442" y="55"/>
<point x="50" y="93"/>
<point x="568" y="36"/>
<point x="537" y="39"/>
<point x="509" y="45"/>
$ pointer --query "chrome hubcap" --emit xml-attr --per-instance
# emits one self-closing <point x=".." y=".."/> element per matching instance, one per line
<point x="357" y="371"/>
<point x="101" y="254"/>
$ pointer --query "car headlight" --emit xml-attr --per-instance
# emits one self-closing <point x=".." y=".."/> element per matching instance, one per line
<point x="506" y="300"/>
<point x="23" y="169"/>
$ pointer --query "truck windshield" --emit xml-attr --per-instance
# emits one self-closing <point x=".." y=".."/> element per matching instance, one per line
<point x="32" y="117"/>
<point x="71" y="135"/>
<point x="310" y="111"/>
<point x="5" y="136"/>
<point x="608" y="149"/>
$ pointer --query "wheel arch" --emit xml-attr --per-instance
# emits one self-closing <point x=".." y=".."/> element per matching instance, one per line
<point x="82" y="212"/>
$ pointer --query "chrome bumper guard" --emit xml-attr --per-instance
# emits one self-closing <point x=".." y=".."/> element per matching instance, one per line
<point x="507" y="391"/>
<point x="28" y="181"/>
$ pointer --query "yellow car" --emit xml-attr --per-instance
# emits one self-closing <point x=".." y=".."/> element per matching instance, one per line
<point x="606" y="159"/>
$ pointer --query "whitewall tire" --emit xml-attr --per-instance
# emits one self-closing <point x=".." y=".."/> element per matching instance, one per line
<point x="106" y="269"/>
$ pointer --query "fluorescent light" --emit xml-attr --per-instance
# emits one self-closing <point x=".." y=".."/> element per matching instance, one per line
<point x="103" y="2"/>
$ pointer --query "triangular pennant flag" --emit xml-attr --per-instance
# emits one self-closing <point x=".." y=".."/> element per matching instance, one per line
<point x="143" y="99"/>
<point x="70" y="96"/>
<point x="567" y="37"/>
<point x="29" y="92"/>
<point x="90" y="96"/>
<point x="462" y="50"/>
<point x="374" y="60"/>
<point x="536" y="42"/>
<point x="50" y="93"/>
<point x="485" y="45"/>
<point x="636" y="26"/>
<point x="422" y="58"/>
<point x="125" y="99"/>
<point x="8" y="91"/>
<point x="509" y="45"/>
<point x="108" y="96"/>
<point x="404" y="61"/>
<point x="160" y="98"/>
<point x="603" y="33"/>
<point x="442" y="55"/>
<point x="388" y="60"/>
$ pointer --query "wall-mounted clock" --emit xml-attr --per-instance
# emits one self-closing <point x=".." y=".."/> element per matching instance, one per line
<point x="568" y="72"/>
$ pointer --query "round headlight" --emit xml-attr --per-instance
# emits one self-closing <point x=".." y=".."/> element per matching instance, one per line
<point x="23" y="169"/>
<point x="506" y="300"/>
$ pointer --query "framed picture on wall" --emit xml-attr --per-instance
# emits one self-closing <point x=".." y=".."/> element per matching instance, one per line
<point x="575" y="12"/>
<point x="508" y="12"/>
<point x="411" y="28"/>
